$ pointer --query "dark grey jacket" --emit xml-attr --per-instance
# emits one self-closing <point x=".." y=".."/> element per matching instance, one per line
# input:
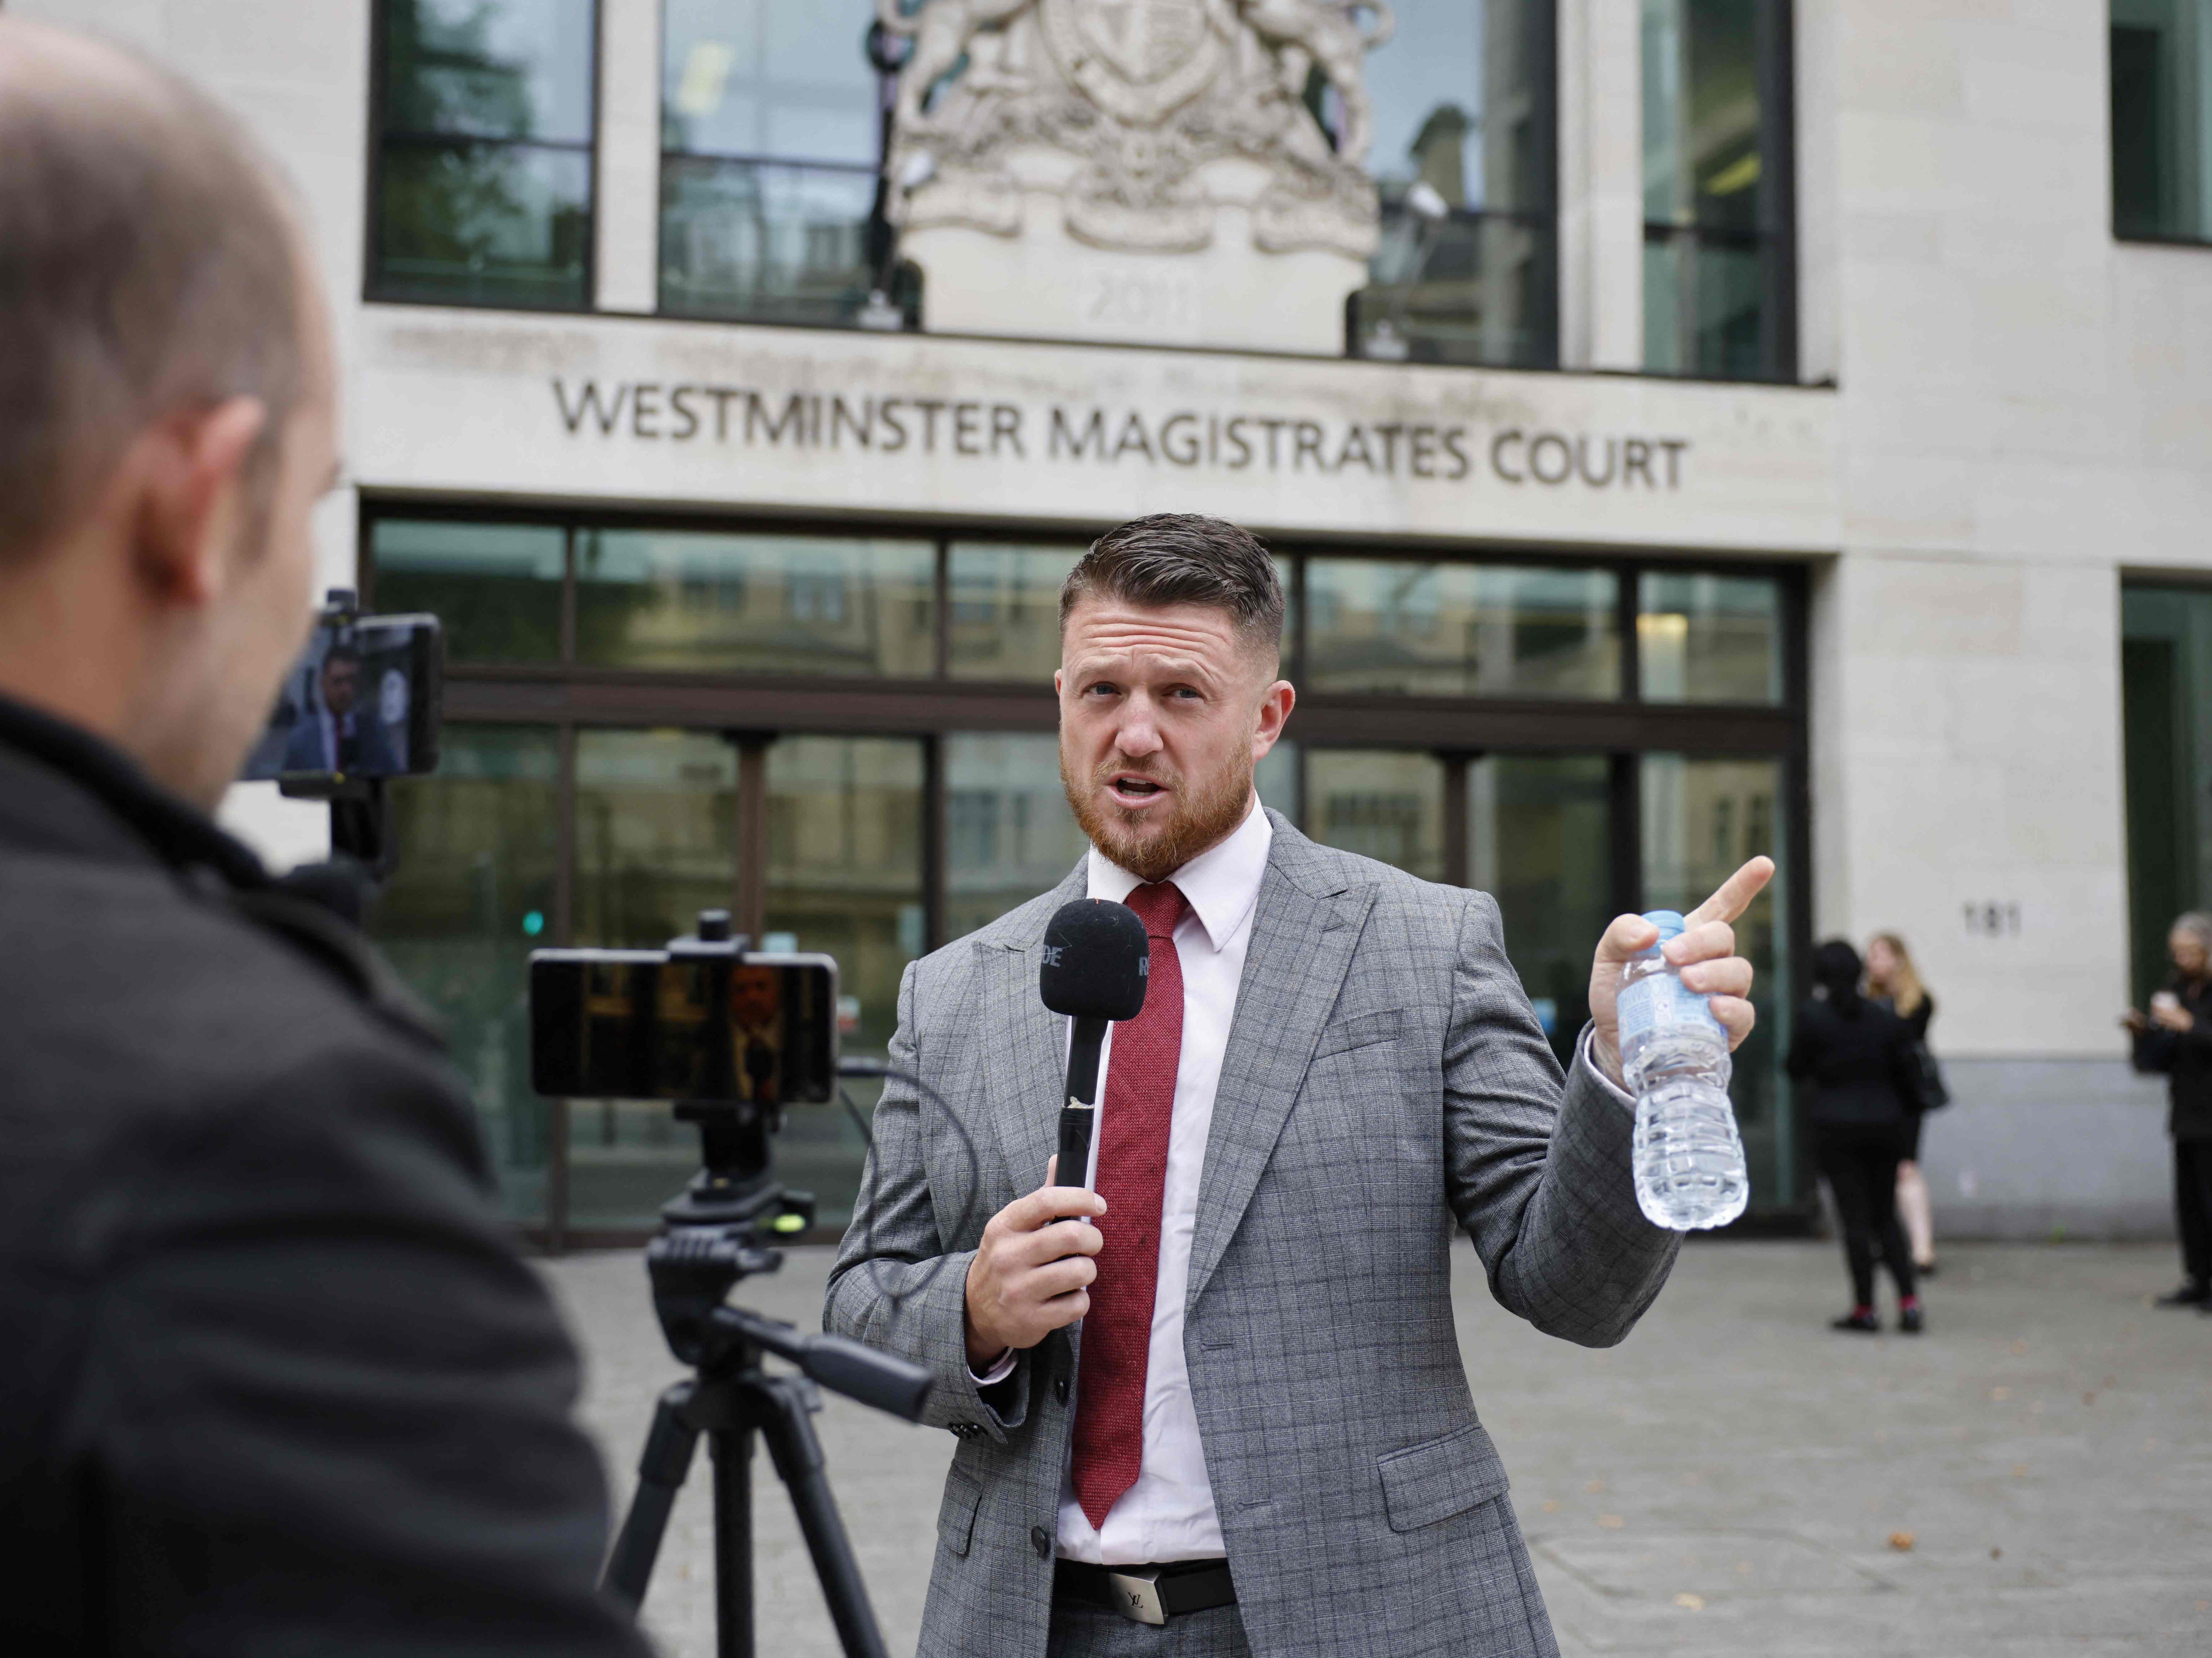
<point x="1385" y="1085"/>
<point x="273" y="1377"/>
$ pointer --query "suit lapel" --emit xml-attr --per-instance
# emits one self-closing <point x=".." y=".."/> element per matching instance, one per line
<point x="1303" y="932"/>
<point x="1024" y="1047"/>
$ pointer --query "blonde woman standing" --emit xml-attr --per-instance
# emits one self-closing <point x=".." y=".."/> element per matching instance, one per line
<point x="1891" y="978"/>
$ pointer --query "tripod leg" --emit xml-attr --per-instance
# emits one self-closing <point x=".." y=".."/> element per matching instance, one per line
<point x="732" y="1451"/>
<point x="783" y="1408"/>
<point x="660" y="1473"/>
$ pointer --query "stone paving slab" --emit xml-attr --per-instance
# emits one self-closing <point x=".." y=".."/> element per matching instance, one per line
<point x="1726" y="1484"/>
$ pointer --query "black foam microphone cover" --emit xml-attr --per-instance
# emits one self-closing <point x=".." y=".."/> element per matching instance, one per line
<point x="1096" y="960"/>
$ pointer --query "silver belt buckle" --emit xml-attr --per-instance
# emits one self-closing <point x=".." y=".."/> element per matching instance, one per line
<point x="1137" y="1597"/>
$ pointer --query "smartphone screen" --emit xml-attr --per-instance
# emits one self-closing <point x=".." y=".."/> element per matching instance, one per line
<point x="639" y="1024"/>
<point x="362" y="701"/>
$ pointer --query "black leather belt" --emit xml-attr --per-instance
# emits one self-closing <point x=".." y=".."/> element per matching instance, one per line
<point x="1146" y="1594"/>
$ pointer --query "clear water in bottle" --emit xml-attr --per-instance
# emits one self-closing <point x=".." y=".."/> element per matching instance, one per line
<point x="1687" y="1153"/>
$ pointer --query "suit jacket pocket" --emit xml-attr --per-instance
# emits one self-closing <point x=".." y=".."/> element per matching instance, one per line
<point x="1432" y="1481"/>
<point x="1361" y="1030"/>
<point x="956" y="1518"/>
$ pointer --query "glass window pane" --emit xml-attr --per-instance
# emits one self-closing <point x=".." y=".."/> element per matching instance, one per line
<point x="496" y="587"/>
<point x="1275" y="780"/>
<point x="483" y="224"/>
<point x="1005" y="610"/>
<point x="1702" y="818"/>
<point x="1009" y="834"/>
<point x="1709" y="638"/>
<point x="656" y="843"/>
<point x="2165" y="680"/>
<point x="491" y="69"/>
<point x="768" y="241"/>
<point x="1380" y="804"/>
<point x="1460" y="630"/>
<point x="1464" y="107"/>
<point x="2161" y="103"/>
<point x="1538" y="830"/>
<point x="656" y="834"/>
<point x="844" y="875"/>
<point x="755" y="604"/>
<point x="472" y="897"/>
<point x="785" y="78"/>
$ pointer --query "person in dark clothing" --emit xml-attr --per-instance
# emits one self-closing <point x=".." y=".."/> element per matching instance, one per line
<point x="1858" y="1054"/>
<point x="2175" y="1039"/>
<point x="273" y="1376"/>
<point x="1892" y="978"/>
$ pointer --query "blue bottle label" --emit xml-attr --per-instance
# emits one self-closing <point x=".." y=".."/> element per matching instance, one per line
<point x="1659" y="1003"/>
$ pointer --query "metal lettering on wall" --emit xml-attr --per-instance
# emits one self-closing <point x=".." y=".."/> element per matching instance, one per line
<point x="1231" y="441"/>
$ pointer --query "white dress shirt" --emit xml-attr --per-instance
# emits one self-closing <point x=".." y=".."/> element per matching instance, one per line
<point x="1168" y="1515"/>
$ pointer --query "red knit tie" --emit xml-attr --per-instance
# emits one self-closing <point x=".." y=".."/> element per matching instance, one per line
<point x="1133" y="1168"/>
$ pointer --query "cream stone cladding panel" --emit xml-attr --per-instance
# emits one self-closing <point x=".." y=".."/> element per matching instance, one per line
<point x="1971" y="714"/>
<point x="585" y="409"/>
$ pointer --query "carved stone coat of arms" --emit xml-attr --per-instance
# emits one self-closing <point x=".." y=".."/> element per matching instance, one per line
<point x="1144" y="118"/>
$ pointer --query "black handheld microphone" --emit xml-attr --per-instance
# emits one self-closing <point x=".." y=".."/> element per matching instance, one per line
<point x="1096" y="959"/>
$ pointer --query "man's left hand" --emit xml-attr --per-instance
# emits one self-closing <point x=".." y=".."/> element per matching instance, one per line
<point x="1705" y="953"/>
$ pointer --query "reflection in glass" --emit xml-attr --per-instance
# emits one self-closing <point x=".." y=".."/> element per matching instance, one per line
<point x="1009" y="834"/>
<point x="1459" y="629"/>
<point x="485" y="169"/>
<point x="495" y="587"/>
<point x="489" y="68"/>
<point x="1713" y="219"/>
<point x="1382" y="804"/>
<point x="1464" y="107"/>
<point x="1539" y="842"/>
<point x="1702" y="818"/>
<point x="483" y="224"/>
<point x="767" y="78"/>
<point x="1006" y="610"/>
<point x="656" y="843"/>
<point x="755" y="604"/>
<point x="768" y="241"/>
<point x="1709" y="638"/>
<point x="2161" y="105"/>
<point x="844" y="877"/>
<point x="473" y="896"/>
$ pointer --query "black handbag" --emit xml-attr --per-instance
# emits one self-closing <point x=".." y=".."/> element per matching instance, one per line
<point x="1928" y="1080"/>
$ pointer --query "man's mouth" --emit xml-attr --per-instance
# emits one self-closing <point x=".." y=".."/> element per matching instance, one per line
<point x="1131" y="789"/>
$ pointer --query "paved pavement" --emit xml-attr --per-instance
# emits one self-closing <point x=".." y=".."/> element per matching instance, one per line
<point x="2032" y="1478"/>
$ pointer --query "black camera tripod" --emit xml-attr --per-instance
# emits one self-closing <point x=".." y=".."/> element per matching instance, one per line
<point x="712" y="1238"/>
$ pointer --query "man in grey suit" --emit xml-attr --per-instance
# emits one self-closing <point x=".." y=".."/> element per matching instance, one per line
<point x="1259" y="1438"/>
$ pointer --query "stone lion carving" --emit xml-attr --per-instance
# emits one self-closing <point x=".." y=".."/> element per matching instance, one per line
<point x="1144" y="97"/>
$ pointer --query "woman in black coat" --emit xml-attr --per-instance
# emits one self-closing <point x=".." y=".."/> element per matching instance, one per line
<point x="1857" y="1055"/>
<point x="2176" y="1038"/>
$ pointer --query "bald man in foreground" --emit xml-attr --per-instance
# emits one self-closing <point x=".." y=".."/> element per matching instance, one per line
<point x="273" y="1378"/>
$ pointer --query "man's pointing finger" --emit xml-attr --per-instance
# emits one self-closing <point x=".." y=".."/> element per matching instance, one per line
<point x="1736" y="893"/>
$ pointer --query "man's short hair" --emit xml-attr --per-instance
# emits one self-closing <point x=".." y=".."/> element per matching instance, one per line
<point x="1183" y="558"/>
<point x="148" y="265"/>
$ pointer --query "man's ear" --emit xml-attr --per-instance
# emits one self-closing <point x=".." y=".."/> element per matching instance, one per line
<point x="1275" y="705"/>
<point x="193" y="485"/>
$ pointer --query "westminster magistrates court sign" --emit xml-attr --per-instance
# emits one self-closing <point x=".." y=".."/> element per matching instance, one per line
<point x="644" y="411"/>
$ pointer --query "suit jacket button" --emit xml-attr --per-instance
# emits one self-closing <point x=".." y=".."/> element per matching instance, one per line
<point x="1041" y="1541"/>
<point x="1059" y="1390"/>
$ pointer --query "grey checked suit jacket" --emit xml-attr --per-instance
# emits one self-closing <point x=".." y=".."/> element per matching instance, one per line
<point x="1385" y="1080"/>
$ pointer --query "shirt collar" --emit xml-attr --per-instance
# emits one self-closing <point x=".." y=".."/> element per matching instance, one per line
<point x="1222" y="883"/>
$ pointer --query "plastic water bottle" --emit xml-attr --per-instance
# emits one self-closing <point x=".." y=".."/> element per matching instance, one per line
<point x="1686" y="1154"/>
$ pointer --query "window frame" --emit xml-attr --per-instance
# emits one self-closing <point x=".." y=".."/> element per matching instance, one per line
<point x="879" y="231"/>
<point x="1774" y="58"/>
<point x="378" y="135"/>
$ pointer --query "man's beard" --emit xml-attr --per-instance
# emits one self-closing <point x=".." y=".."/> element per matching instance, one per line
<point x="1199" y="818"/>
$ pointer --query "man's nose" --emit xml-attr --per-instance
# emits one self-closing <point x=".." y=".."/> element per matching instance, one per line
<point x="1138" y="734"/>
